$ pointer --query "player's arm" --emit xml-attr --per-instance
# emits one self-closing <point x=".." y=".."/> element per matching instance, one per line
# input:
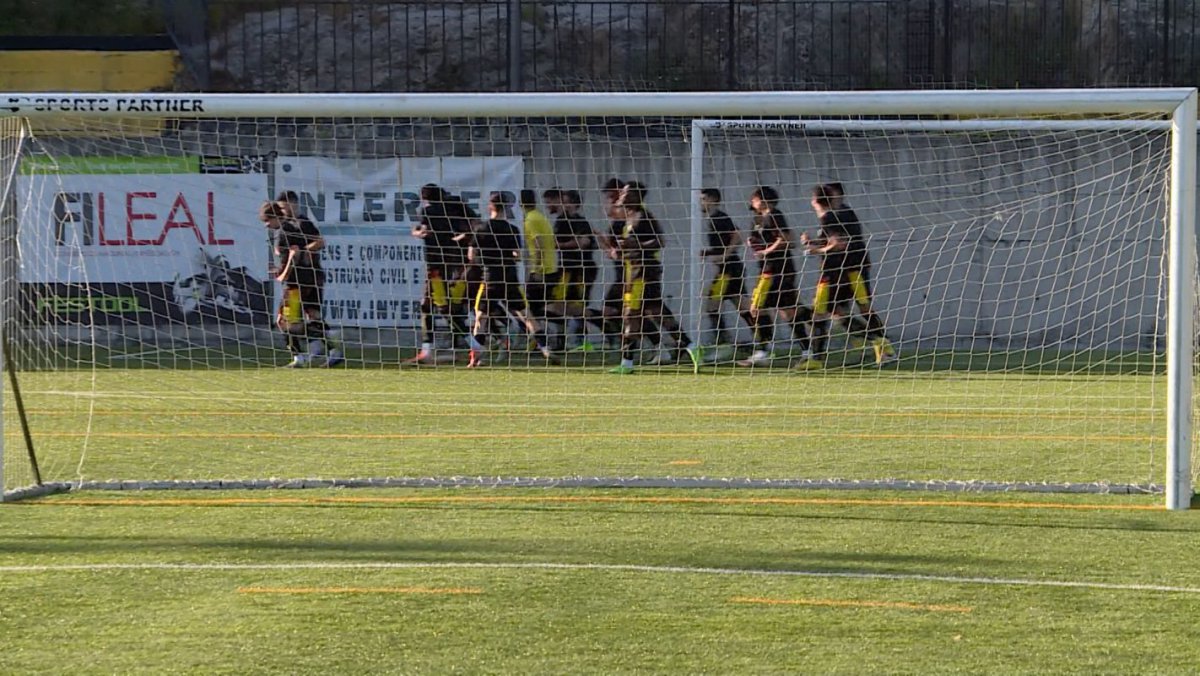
<point x="288" y="262"/>
<point x="832" y="239"/>
<point x="421" y="230"/>
<point x="782" y="238"/>
<point x="313" y="241"/>
<point x="565" y="239"/>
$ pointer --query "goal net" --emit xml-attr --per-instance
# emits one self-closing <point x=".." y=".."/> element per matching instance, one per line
<point x="964" y="290"/>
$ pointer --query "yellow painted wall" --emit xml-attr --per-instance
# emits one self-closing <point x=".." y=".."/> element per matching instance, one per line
<point x="71" y="70"/>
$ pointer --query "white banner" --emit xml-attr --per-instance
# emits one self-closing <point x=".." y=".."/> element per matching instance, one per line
<point x="365" y="210"/>
<point x="122" y="228"/>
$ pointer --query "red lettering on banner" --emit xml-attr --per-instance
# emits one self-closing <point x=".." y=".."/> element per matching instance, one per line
<point x="103" y="217"/>
<point x="212" y="224"/>
<point x="131" y="216"/>
<point x="190" y="223"/>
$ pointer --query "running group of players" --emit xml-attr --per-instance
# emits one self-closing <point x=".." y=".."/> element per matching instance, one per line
<point x="474" y="262"/>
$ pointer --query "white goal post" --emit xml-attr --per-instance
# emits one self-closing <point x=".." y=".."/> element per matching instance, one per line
<point x="1167" y="109"/>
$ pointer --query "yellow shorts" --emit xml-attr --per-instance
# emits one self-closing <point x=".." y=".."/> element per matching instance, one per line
<point x="719" y="287"/>
<point x="562" y="290"/>
<point x="850" y="286"/>
<point x="635" y="294"/>
<point x="292" y="310"/>
<point x="458" y="291"/>
<point x="758" y="299"/>
<point x="438" y="293"/>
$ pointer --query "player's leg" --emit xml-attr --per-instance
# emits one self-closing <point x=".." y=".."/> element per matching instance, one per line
<point x="435" y="299"/>
<point x="611" y="312"/>
<point x="335" y="352"/>
<point x="631" y="324"/>
<point x="290" y="321"/>
<point x="860" y="285"/>
<point x="457" y="289"/>
<point x="718" y="292"/>
<point x="517" y="306"/>
<point x="822" y="304"/>
<point x="578" y="295"/>
<point x="561" y="308"/>
<point x="481" y="329"/>
<point x="800" y="316"/>
<point x="763" y="321"/>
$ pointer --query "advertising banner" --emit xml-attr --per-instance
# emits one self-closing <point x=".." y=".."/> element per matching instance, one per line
<point x="147" y="240"/>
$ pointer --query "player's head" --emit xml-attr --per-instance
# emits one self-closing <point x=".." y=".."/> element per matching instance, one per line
<point x="710" y="198"/>
<point x="432" y="193"/>
<point x="633" y="195"/>
<point x="553" y="199"/>
<point x="823" y="198"/>
<point x="499" y="206"/>
<point x="837" y="194"/>
<point x="290" y="201"/>
<point x="528" y="199"/>
<point x="572" y="201"/>
<point x="611" y="188"/>
<point x="271" y="213"/>
<point x="764" y="198"/>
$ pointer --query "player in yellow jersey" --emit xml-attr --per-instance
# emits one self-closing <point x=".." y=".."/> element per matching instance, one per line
<point x="541" y="256"/>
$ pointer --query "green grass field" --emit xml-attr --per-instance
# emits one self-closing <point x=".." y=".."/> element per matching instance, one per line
<point x="913" y="422"/>
<point x="595" y="580"/>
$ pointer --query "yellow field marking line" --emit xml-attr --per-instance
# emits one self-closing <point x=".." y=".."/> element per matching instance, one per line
<point x="701" y="434"/>
<point x="686" y="462"/>
<point x="568" y="499"/>
<point x="359" y="590"/>
<point x="834" y="603"/>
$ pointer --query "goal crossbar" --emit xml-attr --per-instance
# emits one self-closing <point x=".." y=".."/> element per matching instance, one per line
<point x="990" y="103"/>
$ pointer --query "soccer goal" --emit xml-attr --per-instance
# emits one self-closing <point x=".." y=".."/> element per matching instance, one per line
<point x="958" y="290"/>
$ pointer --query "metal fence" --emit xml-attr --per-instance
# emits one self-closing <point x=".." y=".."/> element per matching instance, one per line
<point x="516" y="45"/>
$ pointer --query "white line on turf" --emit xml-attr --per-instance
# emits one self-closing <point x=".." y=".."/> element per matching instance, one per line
<point x="606" y="567"/>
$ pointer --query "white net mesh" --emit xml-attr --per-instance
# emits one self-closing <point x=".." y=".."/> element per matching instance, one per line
<point x="1018" y="274"/>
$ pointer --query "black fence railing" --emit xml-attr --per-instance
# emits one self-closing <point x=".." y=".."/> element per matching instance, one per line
<point x="516" y="45"/>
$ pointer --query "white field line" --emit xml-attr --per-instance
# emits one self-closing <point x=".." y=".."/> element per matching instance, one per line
<point x="606" y="567"/>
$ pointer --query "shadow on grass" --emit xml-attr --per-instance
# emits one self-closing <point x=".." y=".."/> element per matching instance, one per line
<point x="150" y="550"/>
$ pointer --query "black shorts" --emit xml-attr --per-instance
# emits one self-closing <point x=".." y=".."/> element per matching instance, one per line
<point x="575" y="284"/>
<point x="311" y="286"/>
<point x="775" y="292"/>
<point x="539" y="289"/>
<point x="644" y="288"/>
<point x="500" y="293"/>
<point x="616" y="290"/>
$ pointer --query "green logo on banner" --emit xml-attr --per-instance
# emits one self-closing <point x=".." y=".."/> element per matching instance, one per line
<point x="116" y="164"/>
